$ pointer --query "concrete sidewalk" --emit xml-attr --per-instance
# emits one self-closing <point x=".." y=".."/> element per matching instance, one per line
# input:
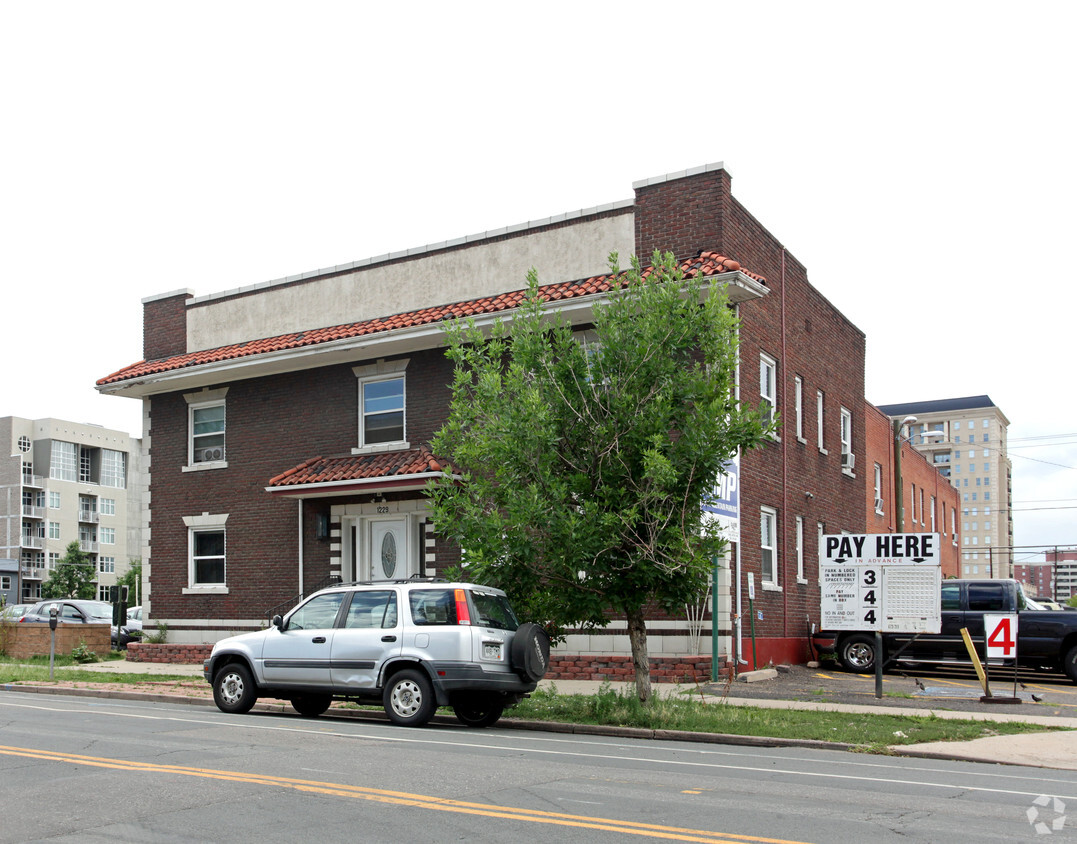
<point x="1046" y="750"/>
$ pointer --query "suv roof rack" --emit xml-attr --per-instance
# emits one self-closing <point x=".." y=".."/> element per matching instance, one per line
<point x="393" y="582"/>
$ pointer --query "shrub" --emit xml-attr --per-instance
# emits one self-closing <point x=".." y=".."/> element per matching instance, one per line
<point x="158" y="637"/>
<point x="83" y="654"/>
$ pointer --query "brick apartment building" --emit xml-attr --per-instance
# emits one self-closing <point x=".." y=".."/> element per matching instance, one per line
<point x="930" y="503"/>
<point x="1053" y="579"/>
<point x="287" y="425"/>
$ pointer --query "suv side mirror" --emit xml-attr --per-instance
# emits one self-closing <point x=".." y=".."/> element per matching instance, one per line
<point x="278" y="622"/>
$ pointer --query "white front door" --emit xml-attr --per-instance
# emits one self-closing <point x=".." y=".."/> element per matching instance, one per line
<point x="390" y="556"/>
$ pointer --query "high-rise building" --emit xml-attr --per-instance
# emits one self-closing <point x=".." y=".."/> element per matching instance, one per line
<point x="965" y="438"/>
<point x="64" y="482"/>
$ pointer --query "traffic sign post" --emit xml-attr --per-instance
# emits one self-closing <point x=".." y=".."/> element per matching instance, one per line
<point x="1000" y="642"/>
<point x="882" y="582"/>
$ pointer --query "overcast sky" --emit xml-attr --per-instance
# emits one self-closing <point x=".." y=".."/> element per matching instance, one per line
<point x="917" y="157"/>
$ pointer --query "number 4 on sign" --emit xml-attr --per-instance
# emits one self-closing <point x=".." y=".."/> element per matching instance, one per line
<point x="1001" y="631"/>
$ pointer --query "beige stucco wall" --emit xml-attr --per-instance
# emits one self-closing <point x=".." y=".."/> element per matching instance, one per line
<point x="574" y="251"/>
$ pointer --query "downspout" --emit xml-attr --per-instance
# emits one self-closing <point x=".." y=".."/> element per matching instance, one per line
<point x="785" y="472"/>
<point x="739" y="658"/>
<point x="301" y="595"/>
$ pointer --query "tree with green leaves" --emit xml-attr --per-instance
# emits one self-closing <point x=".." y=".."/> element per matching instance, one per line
<point x="583" y="465"/>
<point x="74" y="576"/>
<point x="132" y="579"/>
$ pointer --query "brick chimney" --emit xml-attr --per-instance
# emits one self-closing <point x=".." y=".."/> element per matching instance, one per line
<point x="683" y="212"/>
<point x="164" y="324"/>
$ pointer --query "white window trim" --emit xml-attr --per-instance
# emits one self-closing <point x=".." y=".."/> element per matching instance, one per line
<point x="205" y="522"/>
<point x="381" y="371"/>
<point x="775" y="584"/>
<point x="769" y="363"/>
<point x="880" y="500"/>
<point x="197" y="401"/>
<point x="798" y="397"/>
<point x="820" y="427"/>
<point x="845" y="426"/>
<point x="800" y="550"/>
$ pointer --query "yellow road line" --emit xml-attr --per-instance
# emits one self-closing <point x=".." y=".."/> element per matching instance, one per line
<point x="419" y="801"/>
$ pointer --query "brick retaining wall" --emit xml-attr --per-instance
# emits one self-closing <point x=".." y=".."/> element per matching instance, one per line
<point x="618" y="669"/>
<point x="177" y="654"/>
<point x="24" y="640"/>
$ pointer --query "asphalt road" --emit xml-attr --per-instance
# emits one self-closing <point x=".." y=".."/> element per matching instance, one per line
<point x="89" y="770"/>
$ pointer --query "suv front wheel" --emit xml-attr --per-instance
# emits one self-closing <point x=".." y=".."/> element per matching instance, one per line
<point x="234" y="690"/>
<point x="409" y="698"/>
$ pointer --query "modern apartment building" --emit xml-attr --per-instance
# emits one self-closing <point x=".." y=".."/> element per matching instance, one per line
<point x="965" y="438"/>
<point x="62" y="482"/>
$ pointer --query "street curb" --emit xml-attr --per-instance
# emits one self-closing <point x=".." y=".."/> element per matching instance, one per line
<point x="504" y="723"/>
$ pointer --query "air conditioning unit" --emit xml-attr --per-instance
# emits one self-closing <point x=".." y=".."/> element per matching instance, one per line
<point x="212" y="454"/>
<point x="848" y="461"/>
<point x="878" y="505"/>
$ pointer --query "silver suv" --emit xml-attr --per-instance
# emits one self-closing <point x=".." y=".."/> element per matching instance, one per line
<point x="411" y="645"/>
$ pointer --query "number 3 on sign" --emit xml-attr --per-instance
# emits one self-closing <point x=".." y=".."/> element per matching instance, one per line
<point x="1001" y="631"/>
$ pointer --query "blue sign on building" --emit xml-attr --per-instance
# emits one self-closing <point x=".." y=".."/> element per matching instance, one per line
<point x="723" y="506"/>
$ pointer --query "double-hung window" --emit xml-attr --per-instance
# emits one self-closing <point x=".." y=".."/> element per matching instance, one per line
<point x="207" y="433"/>
<point x="206" y="423"/>
<point x="847" y="458"/>
<point x="206" y="553"/>
<point x="383" y="411"/>
<point x="768" y="385"/>
<point x="819" y="427"/>
<point x="798" y="397"/>
<point x="878" y="489"/>
<point x="800" y="549"/>
<point x="768" y="545"/>
<point x="207" y="557"/>
<point x="382" y="405"/>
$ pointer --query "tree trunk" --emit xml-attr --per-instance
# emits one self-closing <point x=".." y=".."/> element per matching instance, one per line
<point x="637" y="637"/>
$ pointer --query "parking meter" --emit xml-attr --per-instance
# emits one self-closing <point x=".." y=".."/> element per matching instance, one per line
<point x="54" y="611"/>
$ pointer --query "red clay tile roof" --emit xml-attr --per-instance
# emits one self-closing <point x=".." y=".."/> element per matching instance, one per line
<point x="705" y="264"/>
<point x="359" y="467"/>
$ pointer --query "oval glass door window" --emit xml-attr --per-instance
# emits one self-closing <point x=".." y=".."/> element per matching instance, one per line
<point x="388" y="554"/>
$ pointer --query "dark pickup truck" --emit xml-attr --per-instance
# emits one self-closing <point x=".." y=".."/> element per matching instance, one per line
<point x="1045" y="639"/>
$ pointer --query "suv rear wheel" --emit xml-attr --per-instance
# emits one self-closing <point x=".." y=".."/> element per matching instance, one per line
<point x="409" y="698"/>
<point x="476" y="709"/>
<point x="311" y="706"/>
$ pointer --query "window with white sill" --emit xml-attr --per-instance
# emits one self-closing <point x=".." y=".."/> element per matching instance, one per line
<point x="768" y="386"/>
<point x="382" y="406"/>
<point x="768" y="546"/>
<point x="206" y="553"/>
<point x="207" y="428"/>
<point x="848" y="459"/>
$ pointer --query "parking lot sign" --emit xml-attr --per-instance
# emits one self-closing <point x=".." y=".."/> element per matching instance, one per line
<point x="888" y="582"/>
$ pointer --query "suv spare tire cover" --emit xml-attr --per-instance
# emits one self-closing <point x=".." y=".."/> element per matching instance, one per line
<point x="530" y="652"/>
